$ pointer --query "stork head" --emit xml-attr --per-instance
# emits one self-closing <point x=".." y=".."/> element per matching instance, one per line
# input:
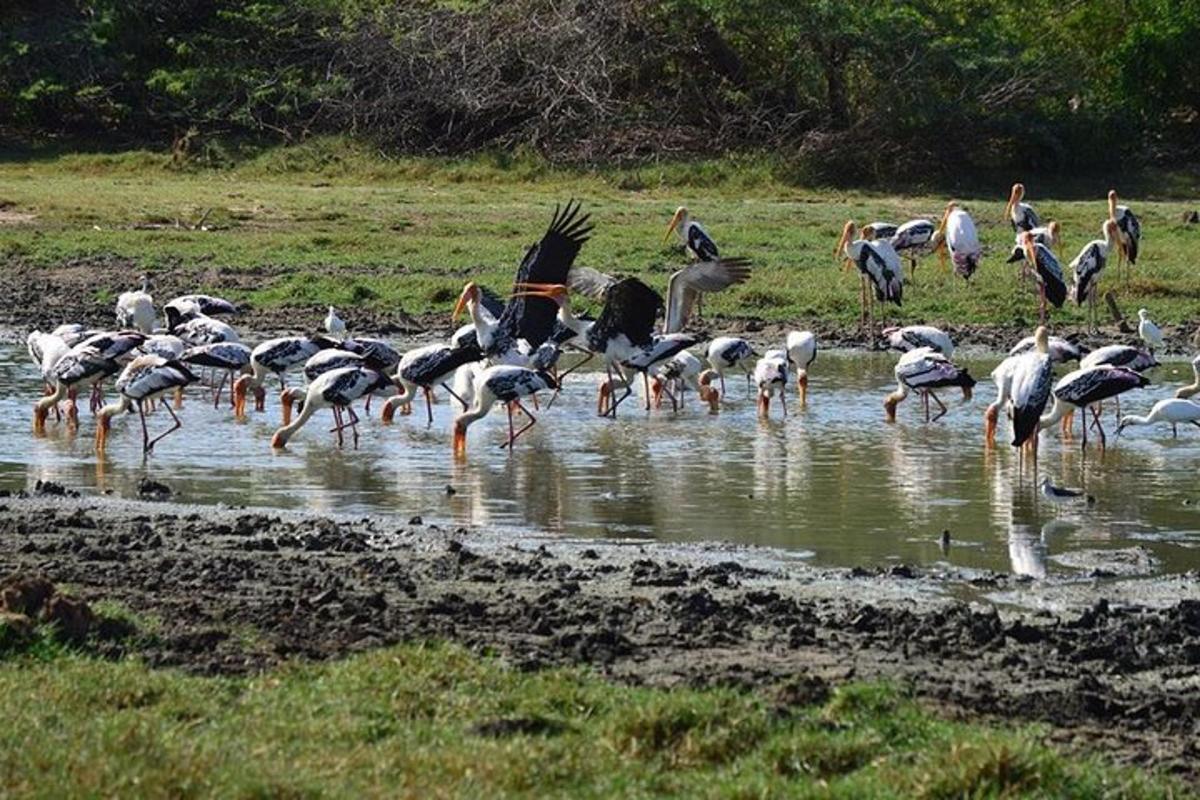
<point x="848" y="231"/>
<point x="709" y="393"/>
<point x="1014" y="197"/>
<point x="551" y="291"/>
<point x="280" y="439"/>
<point x="471" y="293"/>
<point x="679" y="218"/>
<point x="868" y="232"/>
<point x="1041" y="339"/>
<point x="460" y="438"/>
<point x="240" y="386"/>
<point x="1029" y="247"/>
<point x="1112" y="203"/>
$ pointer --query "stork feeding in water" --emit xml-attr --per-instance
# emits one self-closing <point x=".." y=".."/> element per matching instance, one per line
<point x="143" y="381"/>
<point x="924" y="370"/>
<point x="337" y="389"/>
<point x="506" y="384"/>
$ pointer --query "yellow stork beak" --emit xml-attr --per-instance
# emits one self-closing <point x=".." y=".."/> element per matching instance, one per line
<point x="1030" y="250"/>
<point x="467" y="293"/>
<point x="847" y="237"/>
<point x="673" y="224"/>
<point x="551" y="291"/>
<point x="1112" y="203"/>
<point x="1014" y="197"/>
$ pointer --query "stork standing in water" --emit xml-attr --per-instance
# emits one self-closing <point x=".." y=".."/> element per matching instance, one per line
<point x="878" y="265"/>
<point x="196" y="328"/>
<point x="1086" y="387"/>
<point x="1129" y="231"/>
<point x="771" y="378"/>
<point x="337" y="388"/>
<point x="424" y="368"/>
<point x="1020" y="214"/>
<point x="136" y="309"/>
<point x="1031" y="380"/>
<point x="662" y="348"/>
<point x="1088" y="266"/>
<point x="924" y="370"/>
<point x="317" y="365"/>
<point x="682" y="372"/>
<point x="956" y="234"/>
<point x="911" y="337"/>
<point x="1002" y="376"/>
<point x="1052" y="288"/>
<point x="276" y="356"/>
<point x="229" y="358"/>
<point x="505" y="384"/>
<point x="1192" y="388"/>
<point x="80" y="366"/>
<point x="730" y="354"/>
<point x="143" y="380"/>
<point x="801" y="348"/>
<point x="1172" y="412"/>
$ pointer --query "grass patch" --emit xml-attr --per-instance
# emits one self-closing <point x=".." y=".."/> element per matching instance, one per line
<point x="349" y="225"/>
<point x="437" y="721"/>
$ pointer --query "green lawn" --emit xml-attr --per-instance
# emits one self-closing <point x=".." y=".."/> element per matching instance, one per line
<point x="359" y="228"/>
<point x="436" y="721"/>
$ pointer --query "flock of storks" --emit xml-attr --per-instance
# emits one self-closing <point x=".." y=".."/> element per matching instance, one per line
<point x="509" y="351"/>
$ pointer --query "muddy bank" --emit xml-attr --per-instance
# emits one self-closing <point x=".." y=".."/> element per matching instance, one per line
<point x="44" y="297"/>
<point x="237" y="591"/>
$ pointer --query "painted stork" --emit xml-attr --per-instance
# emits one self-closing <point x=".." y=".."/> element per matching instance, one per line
<point x="335" y="389"/>
<point x="206" y="304"/>
<point x="490" y="309"/>
<point x="801" y="348"/>
<point x="80" y="366"/>
<point x="924" y="370"/>
<point x="1049" y="235"/>
<point x="1129" y="229"/>
<point x="1002" y="376"/>
<point x="527" y="319"/>
<point x="1019" y="213"/>
<point x="910" y="240"/>
<point x="1148" y="332"/>
<point x="424" y="368"/>
<point x="317" y="365"/>
<point x="730" y="354"/>
<point x="164" y="345"/>
<point x="688" y="285"/>
<point x="228" y="358"/>
<point x="141" y="382"/>
<point x="879" y="230"/>
<point x="1088" y="266"/>
<point x="956" y="235"/>
<point x="196" y="328"/>
<point x="505" y="384"/>
<point x="1088" y="386"/>
<point x="1032" y="378"/>
<point x="878" y="264"/>
<point x="661" y="348"/>
<point x="682" y="372"/>
<point x="115" y="346"/>
<point x="1120" y="355"/>
<point x="1172" y="412"/>
<point x="911" y="337"/>
<point x="696" y="240"/>
<point x="136" y="309"/>
<point x="1192" y="388"/>
<point x="1052" y="288"/>
<point x="276" y="356"/>
<point x="334" y="325"/>
<point x="771" y="378"/>
<point x="1061" y="350"/>
<point x="73" y="333"/>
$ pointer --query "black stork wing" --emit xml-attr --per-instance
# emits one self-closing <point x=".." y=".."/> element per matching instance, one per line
<point x="548" y="261"/>
<point x="630" y="307"/>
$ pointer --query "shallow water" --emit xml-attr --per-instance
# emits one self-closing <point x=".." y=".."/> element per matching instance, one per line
<point x="832" y="482"/>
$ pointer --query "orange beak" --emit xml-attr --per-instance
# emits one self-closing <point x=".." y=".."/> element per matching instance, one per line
<point x="1030" y="250"/>
<point x="847" y="237"/>
<point x="39" y="419"/>
<point x="764" y="404"/>
<point x="286" y="401"/>
<point x="388" y="412"/>
<point x="260" y="398"/>
<point x="673" y="224"/>
<point x="278" y="441"/>
<point x="551" y="291"/>
<point x="710" y="395"/>
<point x="802" y="382"/>
<point x="1014" y="197"/>
<point x="460" y="440"/>
<point x="467" y="293"/>
<point x="889" y="409"/>
<point x="239" y="396"/>
<point x="989" y="425"/>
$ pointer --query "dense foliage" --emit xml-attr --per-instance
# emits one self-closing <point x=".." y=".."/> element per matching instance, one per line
<point x="845" y="88"/>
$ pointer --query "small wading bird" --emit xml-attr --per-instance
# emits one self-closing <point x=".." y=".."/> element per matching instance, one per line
<point x="136" y="309"/>
<point x="1020" y="214"/>
<point x="956" y="235"/>
<point x="1051" y="286"/>
<point x="1088" y="266"/>
<point x="337" y="388"/>
<point x="505" y="384"/>
<point x="924" y="370"/>
<point x="1148" y="332"/>
<point x="1086" y="387"/>
<point x="144" y="380"/>
<point x="771" y="378"/>
<point x="1172" y="412"/>
<point x="1129" y="232"/>
<point x="1059" y="495"/>
<point x="1192" y="388"/>
<point x="801" y="347"/>
<point x="912" y="337"/>
<point x="878" y="265"/>
<point x="731" y="354"/>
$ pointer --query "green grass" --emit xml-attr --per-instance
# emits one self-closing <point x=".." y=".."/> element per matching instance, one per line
<point x="356" y="227"/>
<point x="438" y="722"/>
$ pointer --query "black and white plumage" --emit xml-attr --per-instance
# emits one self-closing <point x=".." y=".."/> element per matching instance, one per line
<point x="79" y="366"/>
<point x="1120" y="355"/>
<point x="730" y="354"/>
<point x="378" y="354"/>
<point x="771" y="376"/>
<point x="661" y="348"/>
<point x="623" y="329"/>
<point x="115" y="345"/>
<point x="277" y="356"/>
<point x="205" y="304"/>
<point x="924" y="370"/>
<point x="878" y="265"/>
<point x="229" y="358"/>
<point x="505" y="384"/>
<point x="879" y="230"/>
<point x="686" y="286"/>
<point x="1060" y="495"/>
<point x="73" y="333"/>
<point x="143" y="380"/>
<point x="336" y="389"/>
<point x="801" y="349"/>
<point x="1086" y="387"/>
<point x="681" y="372"/>
<point x="164" y="345"/>
<point x="1129" y="229"/>
<point x="957" y="235"/>
<point x="910" y="337"/>
<point x="1052" y="287"/>
<point x="912" y="239"/>
<point x="1032" y="378"/>
<point x="695" y="239"/>
<point x="195" y="328"/>
<point x="426" y="367"/>
<point x="331" y="358"/>
<point x="1061" y="350"/>
<point x="1088" y="266"/>
<point x="1020" y="214"/>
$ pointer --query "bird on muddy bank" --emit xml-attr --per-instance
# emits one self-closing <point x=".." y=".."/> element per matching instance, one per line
<point x="880" y="273"/>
